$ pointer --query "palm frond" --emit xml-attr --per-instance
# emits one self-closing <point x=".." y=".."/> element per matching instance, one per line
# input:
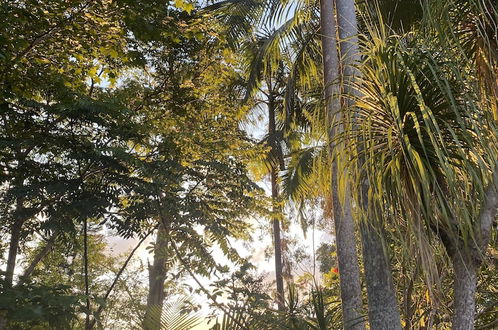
<point x="428" y="143"/>
<point x="173" y="315"/>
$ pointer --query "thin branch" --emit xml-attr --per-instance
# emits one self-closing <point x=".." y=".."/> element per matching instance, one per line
<point x="118" y="275"/>
<point x="85" y="261"/>
<point x="41" y="254"/>
<point x="206" y="291"/>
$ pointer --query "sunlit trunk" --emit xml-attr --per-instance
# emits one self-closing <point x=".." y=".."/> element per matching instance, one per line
<point x="344" y="226"/>
<point x="157" y="277"/>
<point x="383" y="310"/>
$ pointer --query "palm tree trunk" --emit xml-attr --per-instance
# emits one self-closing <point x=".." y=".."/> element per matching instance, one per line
<point x="383" y="311"/>
<point x="383" y="307"/>
<point x="278" y="244"/>
<point x="465" y="286"/>
<point x="157" y="277"/>
<point x="276" y="210"/>
<point x="347" y="256"/>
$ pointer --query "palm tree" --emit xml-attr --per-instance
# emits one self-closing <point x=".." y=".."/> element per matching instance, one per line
<point x="383" y="310"/>
<point x="343" y="220"/>
<point x="468" y="31"/>
<point x="270" y="77"/>
<point x="420" y="119"/>
<point x="275" y="165"/>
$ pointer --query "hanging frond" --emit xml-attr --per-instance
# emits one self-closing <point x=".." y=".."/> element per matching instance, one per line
<point x="428" y="143"/>
<point x="300" y="181"/>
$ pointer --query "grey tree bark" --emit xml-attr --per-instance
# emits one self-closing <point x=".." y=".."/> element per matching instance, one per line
<point x="465" y="286"/>
<point x="157" y="277"/>
<point x="383" y="310"/>
<point x="467" y="259"/>
<point x="349" y="270"/>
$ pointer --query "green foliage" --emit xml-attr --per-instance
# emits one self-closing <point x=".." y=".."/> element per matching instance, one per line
<point x="121" y="112"/>
<point x="39" y="305"/>
<point x="176" y="315"/>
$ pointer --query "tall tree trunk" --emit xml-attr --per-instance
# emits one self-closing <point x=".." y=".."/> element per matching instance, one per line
<point x="383" y="307"/>
<point x="15" y="237"/>
<point x="157" y="277"/>
<point x="347" y="255"/>
<point x="85" y="266"/>
<point x="276" y="209"/>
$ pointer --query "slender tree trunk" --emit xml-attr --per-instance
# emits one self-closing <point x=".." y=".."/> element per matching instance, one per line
<point x="15" y="238"/>
<point x="383" y="307"/>
<point x="85" y="265"/>
<point x="116" y="279"/>
<point x="39" y="256"/>
<point x="347" y="255"/>
<point x="276" y="209"/>
<point x="465" y="286"/>
<point x="278" y="244"/>
<point x="157" y="277"/>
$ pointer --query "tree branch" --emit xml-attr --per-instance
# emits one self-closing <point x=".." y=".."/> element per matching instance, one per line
<point x="488" y="210"/>
<point x="41" y="254"/>
<point x="206" y="291"/>
<point x="118" y="275"/>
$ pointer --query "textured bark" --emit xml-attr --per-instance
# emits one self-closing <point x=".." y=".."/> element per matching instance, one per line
<point x="465" y="286"/>
<point x="157" y="277"/>
<point x="466" y="259"/>
<point x="347" y="255"/>
<point x="275" y="199"/>
<point x="349" y="269"/>
<point x="383" y="311"/>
